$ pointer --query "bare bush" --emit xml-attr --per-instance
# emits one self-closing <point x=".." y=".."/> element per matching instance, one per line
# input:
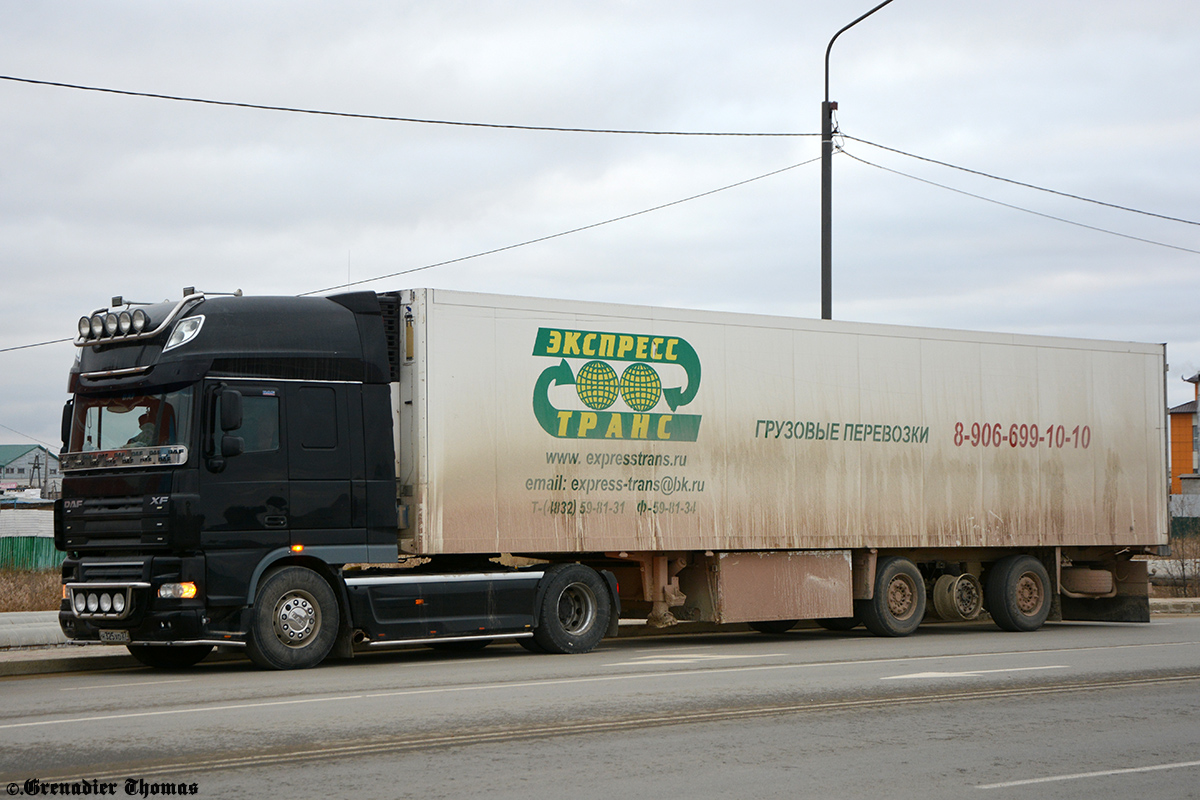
<point x="25" y="590"/>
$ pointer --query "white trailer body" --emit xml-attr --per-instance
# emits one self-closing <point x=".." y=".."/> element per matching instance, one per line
<point x="516" y="433"/>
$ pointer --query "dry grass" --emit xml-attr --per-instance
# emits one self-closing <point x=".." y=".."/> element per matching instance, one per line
<point x="22" y="590"/>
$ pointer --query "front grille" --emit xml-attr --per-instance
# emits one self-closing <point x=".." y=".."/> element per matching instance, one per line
<point x="115" y="522"/>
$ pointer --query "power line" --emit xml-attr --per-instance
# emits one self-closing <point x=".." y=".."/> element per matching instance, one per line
<point x="384" y="118"/>
<point x="1021" y="183"/>
<point x="562" y="233"/>
<point x="27" y="436"/>
<point x="1019" y="208"/>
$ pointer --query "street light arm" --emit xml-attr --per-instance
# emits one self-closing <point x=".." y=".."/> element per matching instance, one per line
<point x="839" y="33"/>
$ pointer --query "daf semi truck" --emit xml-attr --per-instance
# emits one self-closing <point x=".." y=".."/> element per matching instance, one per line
<point x="302" y="477"/>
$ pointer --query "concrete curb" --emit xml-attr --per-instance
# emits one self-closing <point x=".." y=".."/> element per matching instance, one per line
<point x="31" y="643"/>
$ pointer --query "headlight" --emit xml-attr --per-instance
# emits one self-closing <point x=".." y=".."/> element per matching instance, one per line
<point x="124" y="322"/>
<point x="85" y="327"/>
<point x="80" y="602"/>
<point x="106" y="602"/>
<point x="185" y="330"/>
<point x="110" y="324"/>
<point x="140" y="321"/>
<point x="119" y="602"/>
<point x="177" y="591"/>
<point x="93" y="602"/>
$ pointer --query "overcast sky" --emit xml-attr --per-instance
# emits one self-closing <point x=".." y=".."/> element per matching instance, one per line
<point x="102" y="194"/>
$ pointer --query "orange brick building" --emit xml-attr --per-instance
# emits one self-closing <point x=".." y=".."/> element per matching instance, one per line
<point x="1185" y="438"/>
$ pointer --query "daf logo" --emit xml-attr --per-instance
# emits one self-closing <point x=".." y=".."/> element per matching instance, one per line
<point x="73" y="504"/>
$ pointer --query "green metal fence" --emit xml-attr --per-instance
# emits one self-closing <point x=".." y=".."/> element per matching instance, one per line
<point x="29" y="552"/>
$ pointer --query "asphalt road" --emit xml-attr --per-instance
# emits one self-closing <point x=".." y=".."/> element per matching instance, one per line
<point x="1080" y="710"/>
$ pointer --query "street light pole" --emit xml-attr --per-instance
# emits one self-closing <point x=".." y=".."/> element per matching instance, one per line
<point x="827" y="109"/>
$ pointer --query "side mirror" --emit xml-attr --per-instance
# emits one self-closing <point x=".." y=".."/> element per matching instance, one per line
<point x="232" y="446"/>
<point x="67" y="414"/>
<point x="231" y="410"/>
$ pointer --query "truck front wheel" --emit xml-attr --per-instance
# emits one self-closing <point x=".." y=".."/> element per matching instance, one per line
<point x="899" y="602"/>
<point x="294" y="622"/>
<point x="1018" y="593"/>
<point x="574" y="611"/>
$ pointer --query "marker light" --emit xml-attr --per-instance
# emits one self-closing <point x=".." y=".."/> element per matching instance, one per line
<point x="85" y="327"/>
<point x="124" y="322"/>
<point x="297" y="548"/>
<point x="140" y="320"/>
<point x="110" y="324"/>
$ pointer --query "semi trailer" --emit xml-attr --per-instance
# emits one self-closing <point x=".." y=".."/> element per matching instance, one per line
<point x="302" y="477"/>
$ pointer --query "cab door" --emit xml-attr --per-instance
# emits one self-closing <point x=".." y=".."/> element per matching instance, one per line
<point x="247" y="508"/>
<point x="324" y="465"/>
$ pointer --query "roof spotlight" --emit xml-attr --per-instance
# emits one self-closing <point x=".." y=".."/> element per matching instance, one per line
<point x="140" y="320"/>
<point x="110" y="324"/>
<point x="124" y="322"/>
<point x="97" y="326"/>
<point x="85" y="327"/>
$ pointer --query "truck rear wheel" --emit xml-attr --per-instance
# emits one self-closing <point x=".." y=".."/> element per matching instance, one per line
<point x="899" y="602"/>
<point x="295" y="620"/>
<point x="169" y="657"/>
<point x="574" y="610"/>
<point x="1018" y="593"/>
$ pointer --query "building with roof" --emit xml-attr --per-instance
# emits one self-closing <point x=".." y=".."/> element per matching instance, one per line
<point x="29" y="466"/>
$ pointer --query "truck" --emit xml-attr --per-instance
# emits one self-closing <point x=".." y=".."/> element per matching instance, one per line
<point x="307" y="477"/>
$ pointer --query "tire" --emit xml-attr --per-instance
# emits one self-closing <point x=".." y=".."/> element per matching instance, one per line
<point x="574" y="611"/>
<point x="840" y="624"/>
<point x="1018" y="593"/>
<point x="899" y="602"/>
<point x="180" y="657"/>
<point x="294" y="622"/>
<point x="530" y="644"/>
<point x="467" y="646"/>
<point x="774" y="625"/>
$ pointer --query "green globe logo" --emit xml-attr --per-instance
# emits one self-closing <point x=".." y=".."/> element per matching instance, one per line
<point x="597" y="385"/>
<point x="640" y="386"/>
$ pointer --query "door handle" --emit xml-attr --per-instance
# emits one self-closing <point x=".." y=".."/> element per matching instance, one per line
<point x="275" y="521"/>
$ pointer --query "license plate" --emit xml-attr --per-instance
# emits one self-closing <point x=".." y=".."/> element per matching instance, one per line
<point x="114" y="637"/>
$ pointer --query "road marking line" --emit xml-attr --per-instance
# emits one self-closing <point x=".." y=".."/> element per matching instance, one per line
<point x="119" y="685"/>
<point x="972" y="674"/>
<point x="560" y="682"/>
<point x="396" y="745"/>
<point x="1098" y="774"/>
<point x="681" y="659"/>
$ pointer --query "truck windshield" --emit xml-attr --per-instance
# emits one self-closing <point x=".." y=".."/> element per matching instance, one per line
<point x="114" y="422"/>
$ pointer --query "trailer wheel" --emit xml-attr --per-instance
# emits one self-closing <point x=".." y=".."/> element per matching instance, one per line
<point x="574" y="610"/>
<point x="1018" y="593"/>
<point x="294" y="622"/>
<point x="773" y="626"/>
<point x="169" y="657"/>
<point x="899" y="602"/>
<point x="841" y="624"/>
